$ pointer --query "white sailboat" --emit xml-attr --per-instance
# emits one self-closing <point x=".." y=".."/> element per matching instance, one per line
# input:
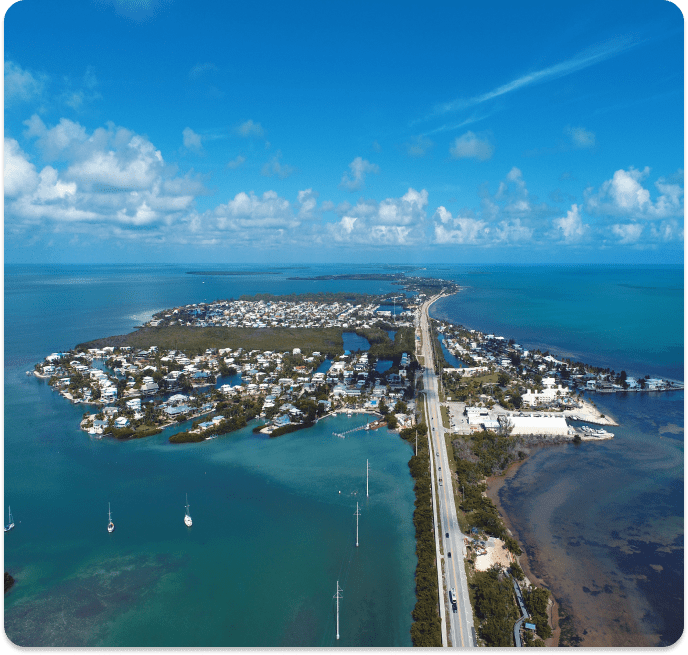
<point x="111" y="525"/>
<point x="10" y="525"/>
<point x="187" y="516"/>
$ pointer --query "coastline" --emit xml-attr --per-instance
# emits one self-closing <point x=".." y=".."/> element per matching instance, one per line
<point x="494" y="485"/>
<point x="613" y="623"/>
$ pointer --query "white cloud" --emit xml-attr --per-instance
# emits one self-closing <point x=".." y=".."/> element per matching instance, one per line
<point x="582" y="60"/>
<point x="308" y="201"/>
<point x="666" y="231"/>
<point x="580" y="137"/>
<point x="513" y="231"/>
<point x="22" y="85"/>
<point x="192" y="141"/>
<point x="249" y="128"/>
<point x="624" y="195"/>
<point x="627" y="232"/>
<point x="20" y="174"/>
<point x="571" y="227"/>
<point x="108" y="182"/>
<point x="275" y="167"/>
<point x="394" y="221"/>
<point x="471" y="146"/>
<point x="236" y="162"/>
<point x="461" y="230"/>
<point x="359" y="168"/>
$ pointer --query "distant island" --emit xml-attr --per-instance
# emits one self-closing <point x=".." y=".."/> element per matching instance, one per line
<point x="275" y="272"/>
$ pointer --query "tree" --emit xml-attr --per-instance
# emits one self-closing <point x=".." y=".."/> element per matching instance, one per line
<point x="382" y="407"/>
<point x="503" y="379"/>
<point x="400" y="407"/>
<point x="392" y="422"/>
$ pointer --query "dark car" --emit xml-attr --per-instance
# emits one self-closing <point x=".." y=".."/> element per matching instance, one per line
<point x="447" y="535"/>
<point x="449" y="553"/>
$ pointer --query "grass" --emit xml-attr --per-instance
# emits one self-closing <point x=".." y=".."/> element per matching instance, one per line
<point x="445" y="417"/>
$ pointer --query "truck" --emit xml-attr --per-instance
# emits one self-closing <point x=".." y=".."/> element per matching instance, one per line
<point x="452" y="596"/>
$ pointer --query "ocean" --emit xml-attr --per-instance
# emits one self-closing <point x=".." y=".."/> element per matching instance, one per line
<point x="272" y="534"/>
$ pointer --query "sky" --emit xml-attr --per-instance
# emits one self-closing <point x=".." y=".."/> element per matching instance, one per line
<point x="144" y="131"/>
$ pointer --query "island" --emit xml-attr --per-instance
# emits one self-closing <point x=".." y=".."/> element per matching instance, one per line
<point x="283" y="363"/>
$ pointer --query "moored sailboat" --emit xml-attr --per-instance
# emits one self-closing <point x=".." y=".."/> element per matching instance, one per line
<point x="10" y="525"/>
<point x="187" y="516"/>
<point x="111" y="525"/>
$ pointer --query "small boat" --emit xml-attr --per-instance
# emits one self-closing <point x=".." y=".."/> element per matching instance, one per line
<point x="187" y="516"/>
<point x="10" y="525"/>
<point x="111" y="525"/>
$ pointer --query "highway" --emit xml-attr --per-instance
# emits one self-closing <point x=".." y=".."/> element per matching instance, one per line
<point x="461" y="629"/>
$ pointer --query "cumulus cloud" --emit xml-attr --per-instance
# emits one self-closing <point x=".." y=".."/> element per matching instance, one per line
<point x="192" y="141"/>
<point x="359" y="168"/>
<point x="275" y="167"/>
<point x="307" y="200"/>
<point x="108" y="182"/>
<point x="249" y="129"/>
<point x="463" y="230"/>
<point x="580" y="137"/>
<point x="394" y="221"/>
<point x="20" y="174"/>
<point x="627" y="232"/>
<point x="571" y="227"/>
<point x="471" y="146"/>
<point x="513" y="232"/>
<point x="21" y="85"/>
<point x="624" y="195"/>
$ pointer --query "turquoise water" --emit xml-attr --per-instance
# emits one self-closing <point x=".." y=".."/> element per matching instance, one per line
<point x="271" y="534"/>
<point x="621" y="317"/>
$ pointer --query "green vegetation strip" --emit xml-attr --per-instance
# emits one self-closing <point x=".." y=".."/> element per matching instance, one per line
<point x="425" y="630"/>
<point x="492" y="597"/>
<point x="196" y="340"/>
<point x="478" y="456"/>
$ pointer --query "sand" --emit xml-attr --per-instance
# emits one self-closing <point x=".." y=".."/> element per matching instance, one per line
<point x="496" y="554"/>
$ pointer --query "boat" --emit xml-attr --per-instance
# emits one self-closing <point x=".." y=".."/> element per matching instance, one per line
<point x="10" y="525"/>
<point x="187" y="516"/>
<point x="111" y="525"/>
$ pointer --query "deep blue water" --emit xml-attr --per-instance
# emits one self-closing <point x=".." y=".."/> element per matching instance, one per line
<point x="383" y="365"/>
<point x="353" y="342"/>
<point x="261" y="524"/>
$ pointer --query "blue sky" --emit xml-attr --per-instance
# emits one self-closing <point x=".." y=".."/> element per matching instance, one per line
<point x="270" y="132"/>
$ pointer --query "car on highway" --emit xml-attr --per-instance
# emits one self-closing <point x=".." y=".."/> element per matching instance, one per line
<point x="449" y="554"/>
<point x="447" y="534"/>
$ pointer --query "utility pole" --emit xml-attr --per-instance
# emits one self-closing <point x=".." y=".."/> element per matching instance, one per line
<point x="416" y="442"/>
<point x="337" y="596"/>
<point x="357" y="514"/>
<point x="367" y="471"/>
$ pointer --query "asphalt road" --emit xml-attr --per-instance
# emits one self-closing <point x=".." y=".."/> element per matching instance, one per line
<point x="461" y="629"/>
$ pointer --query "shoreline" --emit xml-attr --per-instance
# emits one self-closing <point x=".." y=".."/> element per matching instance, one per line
<point x="494" y="485"/>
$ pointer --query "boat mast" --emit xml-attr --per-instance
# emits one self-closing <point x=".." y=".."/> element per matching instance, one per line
<point x="337" y="596"/>
<point x="357" y="514"/>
